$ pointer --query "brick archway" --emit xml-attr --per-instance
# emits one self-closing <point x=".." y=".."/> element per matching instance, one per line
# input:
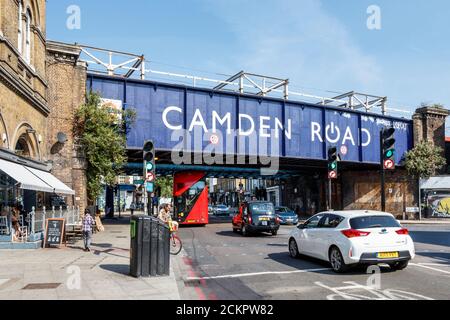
<point x="25" y="142"/>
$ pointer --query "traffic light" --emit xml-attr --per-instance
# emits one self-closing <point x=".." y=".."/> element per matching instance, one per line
<point x="149" y="157"/>
<point x="332" y="163"/>
<point x="388" y="148"/>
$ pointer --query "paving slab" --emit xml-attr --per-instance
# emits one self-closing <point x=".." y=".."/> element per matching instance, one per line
<point x="102" y="273"/>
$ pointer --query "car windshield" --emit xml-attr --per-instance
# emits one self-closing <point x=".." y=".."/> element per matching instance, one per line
<point x="262" y="209"/>
<point x="370" y="222"/>
<point x="221" y="207"/>
<point x="281" y="210"/>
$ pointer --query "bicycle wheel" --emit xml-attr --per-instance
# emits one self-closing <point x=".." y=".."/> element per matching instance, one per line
<point x="175" y="245"/>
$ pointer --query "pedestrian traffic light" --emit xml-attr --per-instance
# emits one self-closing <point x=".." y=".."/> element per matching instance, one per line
<point x="332" y="163"/>
<point x="388" y="148"/>
<point x="149" y="157"/>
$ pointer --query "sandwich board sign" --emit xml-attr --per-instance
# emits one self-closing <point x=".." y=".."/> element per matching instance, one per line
<point x="54" y="232"/>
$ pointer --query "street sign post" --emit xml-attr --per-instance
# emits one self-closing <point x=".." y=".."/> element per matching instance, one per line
<point x="149" y="157"/>
<point x="332" y="171"/>
<point x="387" y="159"/>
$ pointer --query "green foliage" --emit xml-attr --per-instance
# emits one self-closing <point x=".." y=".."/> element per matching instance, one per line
<point x="424" y="160"/>
<point x="166" y="185"/>
<point x="101" y="134"/>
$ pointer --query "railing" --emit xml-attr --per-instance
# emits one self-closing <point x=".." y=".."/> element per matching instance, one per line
<point x="37" y="218"/>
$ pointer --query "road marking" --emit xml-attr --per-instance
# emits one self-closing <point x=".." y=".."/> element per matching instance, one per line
<point x="435" y="264"/>
<point x="373" y="293"/>
<point x="431" y="268"/>
<point x="253" y="274"/>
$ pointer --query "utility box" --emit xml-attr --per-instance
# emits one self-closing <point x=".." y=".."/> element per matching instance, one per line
<point x="149" y="250"/>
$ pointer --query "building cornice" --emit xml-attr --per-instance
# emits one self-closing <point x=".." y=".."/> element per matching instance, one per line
<point x="8" y="155"/>
<point x="22" y="61"/>
<point x="23" y="90"/>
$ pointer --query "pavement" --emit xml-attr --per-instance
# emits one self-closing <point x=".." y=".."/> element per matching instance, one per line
<point x="220" y="264"/>
<point x="71" y="273"/>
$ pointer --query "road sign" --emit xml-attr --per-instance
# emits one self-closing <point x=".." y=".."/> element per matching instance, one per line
<point x="150" y="177"/>
<point x="332" y="175"/>
<point x="389" y="164"/>
<point x="150" y="186"/>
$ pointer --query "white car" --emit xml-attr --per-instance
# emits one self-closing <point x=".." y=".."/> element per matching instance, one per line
<point x="347" y="238"/>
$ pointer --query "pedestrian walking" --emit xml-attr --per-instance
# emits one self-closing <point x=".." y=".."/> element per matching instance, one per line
<point x="87" y="223"/>
<point x="132" y="208"/>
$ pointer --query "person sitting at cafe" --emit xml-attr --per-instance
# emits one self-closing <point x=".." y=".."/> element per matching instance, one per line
<point x="15" y="222"/>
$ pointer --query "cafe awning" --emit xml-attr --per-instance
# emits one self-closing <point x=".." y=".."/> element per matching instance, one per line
<point x="55" y="183"/>
<point x="32" y="179"/>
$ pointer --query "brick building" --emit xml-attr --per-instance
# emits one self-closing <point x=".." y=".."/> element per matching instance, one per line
<point x="33" y="110"/>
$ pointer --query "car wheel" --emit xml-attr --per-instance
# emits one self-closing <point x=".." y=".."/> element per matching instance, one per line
<point x="244" y="230"/>
<point x="399" y="265"/>
<point x="293" y="248"/>
<point x="337" y="261"/>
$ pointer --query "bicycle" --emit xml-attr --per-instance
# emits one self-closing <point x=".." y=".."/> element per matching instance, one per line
<point x="175" y="242"/>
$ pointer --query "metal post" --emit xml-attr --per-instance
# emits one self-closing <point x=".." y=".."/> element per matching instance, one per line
<point x="43" y="218"/>
<point x="33" y="213"/>
<point x="329" y="195"/>
<point x="383" y="196"/>
<point x="420" y="204"/>
<point x="118" y="198"/>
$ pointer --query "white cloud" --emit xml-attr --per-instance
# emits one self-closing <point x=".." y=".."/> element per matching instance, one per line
<point x="300" y="40"/>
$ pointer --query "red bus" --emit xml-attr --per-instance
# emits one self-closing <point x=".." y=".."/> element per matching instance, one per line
<point x="190" y="194"/>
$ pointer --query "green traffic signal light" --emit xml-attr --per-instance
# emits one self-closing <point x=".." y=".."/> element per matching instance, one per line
<point x="389" y="153"/>
<point x="333" y="166"/>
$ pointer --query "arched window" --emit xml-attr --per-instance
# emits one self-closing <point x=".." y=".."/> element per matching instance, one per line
<point x="28" y="37"/>
<point x="22" y="148"/>
<point x="20" y="29"/>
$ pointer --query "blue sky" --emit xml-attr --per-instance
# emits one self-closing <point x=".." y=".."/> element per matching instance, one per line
<point x="320" y="45"/>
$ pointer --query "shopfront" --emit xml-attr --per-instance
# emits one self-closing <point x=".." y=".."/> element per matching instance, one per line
<point x="27" y="196"/>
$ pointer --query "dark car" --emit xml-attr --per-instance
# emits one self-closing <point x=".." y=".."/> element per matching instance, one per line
<point x="286" y="215"/>
<point x="256" y="216"/>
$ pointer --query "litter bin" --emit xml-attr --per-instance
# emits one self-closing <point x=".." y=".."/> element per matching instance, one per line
<point x="149" y="250"/>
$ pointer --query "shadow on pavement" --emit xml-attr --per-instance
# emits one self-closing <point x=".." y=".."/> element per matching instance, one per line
<point x="442" y="256"/>
<point x="440" y="238"/>
<point x="251" y="235"/>
<point x="123" y="269"/>
<point x="308" y="263"/>
<point x="102" y="245"/>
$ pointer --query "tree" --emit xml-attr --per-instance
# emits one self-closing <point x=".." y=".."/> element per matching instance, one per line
<point x="424" y="160"/>
<point x="166" y="185"/>
<point x="101" y="133"/>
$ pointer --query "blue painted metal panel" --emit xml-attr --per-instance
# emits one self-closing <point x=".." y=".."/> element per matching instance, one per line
<point x="258" y="125"/>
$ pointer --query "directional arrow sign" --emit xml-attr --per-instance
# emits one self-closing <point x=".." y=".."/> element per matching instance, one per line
<point x="150" y="177"/>
<point x="389" y="164"/>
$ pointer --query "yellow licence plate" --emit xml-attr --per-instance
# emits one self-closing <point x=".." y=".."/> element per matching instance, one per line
<point x="264" y="219"/>
<point x="387" y="255"/>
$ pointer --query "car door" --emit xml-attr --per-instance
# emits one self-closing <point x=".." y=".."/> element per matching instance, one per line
<point x="326" y="233"/>
<point x="308" y="235"/>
